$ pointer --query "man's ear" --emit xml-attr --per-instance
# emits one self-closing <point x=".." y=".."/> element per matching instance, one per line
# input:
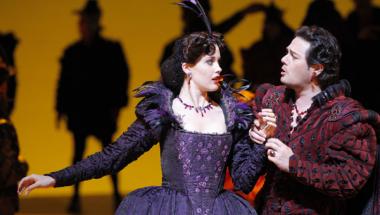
<point x="316" y="69"/>
<point x="186" y="68"/>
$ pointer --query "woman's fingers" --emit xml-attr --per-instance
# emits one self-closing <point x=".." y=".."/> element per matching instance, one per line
<point x="32" y="187"/>
<point x="257" y="136"/>
<point x="267" y="115"/>
<point x="267" y="112"/>
<point x="256" y="122"/>
<point x="34" y="181"/>
<point x="25" y="182"/>
<point x="273" y="124"/>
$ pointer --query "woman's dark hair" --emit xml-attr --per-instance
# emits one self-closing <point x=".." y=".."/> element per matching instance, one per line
<point x="188" y="49"/>
<point x="324" y="50"/>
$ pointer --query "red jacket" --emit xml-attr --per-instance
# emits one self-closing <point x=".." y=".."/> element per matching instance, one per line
<point x="334" y="149"/>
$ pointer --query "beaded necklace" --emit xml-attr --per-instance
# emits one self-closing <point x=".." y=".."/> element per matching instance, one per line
<point x="201" y="110"/>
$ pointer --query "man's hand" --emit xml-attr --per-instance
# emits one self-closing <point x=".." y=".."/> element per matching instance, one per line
<point x="278" y="153"/>
<point x="264" y="127"/>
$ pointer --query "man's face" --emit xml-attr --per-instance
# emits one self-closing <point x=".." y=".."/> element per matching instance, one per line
<point x="295" y="72"/>
<point x="87" y="27"/>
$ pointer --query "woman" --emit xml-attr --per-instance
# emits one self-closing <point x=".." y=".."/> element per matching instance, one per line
<point x="196" y="121"/>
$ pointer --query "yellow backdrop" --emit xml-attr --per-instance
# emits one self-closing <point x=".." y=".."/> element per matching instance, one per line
<point x="46" y="27"/>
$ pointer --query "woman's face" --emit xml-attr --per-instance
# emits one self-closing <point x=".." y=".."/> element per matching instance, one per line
<point x="205" y="74"/>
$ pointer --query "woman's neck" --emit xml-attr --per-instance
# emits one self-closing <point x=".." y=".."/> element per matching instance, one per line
<point x="191" y="94"/>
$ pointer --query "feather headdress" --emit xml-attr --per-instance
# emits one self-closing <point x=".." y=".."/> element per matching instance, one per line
<point x="197" y="8"/>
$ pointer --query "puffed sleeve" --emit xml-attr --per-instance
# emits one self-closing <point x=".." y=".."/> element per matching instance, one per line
<point x="247" y="160"/>
<point x="114" y="157"/>
<point x="248" y="163"/>
<point x="351" y="156"/>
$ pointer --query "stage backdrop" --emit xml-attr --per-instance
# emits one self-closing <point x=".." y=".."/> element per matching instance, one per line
<point x="46" y="27"/>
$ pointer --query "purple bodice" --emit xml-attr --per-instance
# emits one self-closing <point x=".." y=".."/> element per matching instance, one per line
<point x="194" y="164"/>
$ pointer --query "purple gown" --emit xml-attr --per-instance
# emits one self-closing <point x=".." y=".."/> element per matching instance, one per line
<point x="193" y="164"/>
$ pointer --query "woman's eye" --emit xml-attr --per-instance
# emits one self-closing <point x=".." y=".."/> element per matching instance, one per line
<point x="209" y="62"/>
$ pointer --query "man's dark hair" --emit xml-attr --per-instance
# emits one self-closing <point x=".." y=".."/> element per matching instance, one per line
<point x="324" y="50"/>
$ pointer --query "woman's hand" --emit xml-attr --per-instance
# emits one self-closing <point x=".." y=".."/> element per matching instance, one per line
<point x="264" y="127"/>
<point x="34" y="181"/>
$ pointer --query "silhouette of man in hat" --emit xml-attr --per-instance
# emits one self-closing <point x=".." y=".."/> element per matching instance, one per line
<point x="92" y="88"/>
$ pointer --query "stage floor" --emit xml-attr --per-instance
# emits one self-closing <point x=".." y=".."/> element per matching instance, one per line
<point x="101" y="204"/>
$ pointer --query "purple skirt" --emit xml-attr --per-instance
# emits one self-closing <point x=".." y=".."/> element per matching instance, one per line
<point x="159" y="200"/>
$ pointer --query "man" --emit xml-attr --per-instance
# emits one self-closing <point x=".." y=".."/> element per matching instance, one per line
<point x="92" y="88"/>
<point x="324" y="149"/>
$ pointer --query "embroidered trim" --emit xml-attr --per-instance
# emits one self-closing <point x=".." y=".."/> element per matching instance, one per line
<point x="335" y="111"/>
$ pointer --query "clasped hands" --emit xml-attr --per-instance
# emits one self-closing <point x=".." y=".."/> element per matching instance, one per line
<point x="262" y="132"/>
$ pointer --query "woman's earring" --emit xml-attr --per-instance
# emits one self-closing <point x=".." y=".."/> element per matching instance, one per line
<point x="189" y="76"/>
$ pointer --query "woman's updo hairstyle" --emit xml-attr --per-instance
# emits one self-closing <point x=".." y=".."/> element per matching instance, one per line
<point x="188" y="49"/>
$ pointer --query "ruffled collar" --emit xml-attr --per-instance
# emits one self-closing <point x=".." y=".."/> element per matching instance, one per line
<point x="341" y="88"/>
<point x="157" y="103"/>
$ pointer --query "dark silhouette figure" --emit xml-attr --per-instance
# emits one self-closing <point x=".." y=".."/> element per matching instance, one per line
<point x="362" y="44"/>
<point x="92" y="88"/>
<point x="323" y="13"/>
<point x="262" y="61"/>
<point x="11" y="169"/>
<point x="192" y="23"/>
<point x="8" y="44"/>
